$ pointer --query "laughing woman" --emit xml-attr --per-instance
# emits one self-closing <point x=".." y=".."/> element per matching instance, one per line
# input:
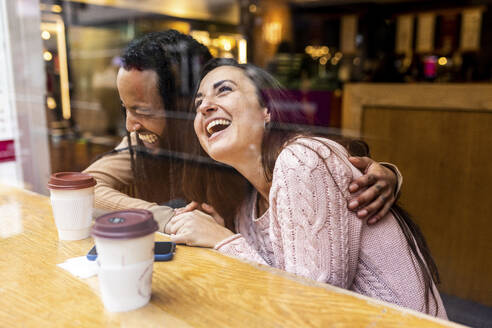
<point x="295" y="215"/>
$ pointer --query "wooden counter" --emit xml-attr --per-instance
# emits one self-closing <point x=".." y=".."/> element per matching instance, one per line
<point x="439" y="135"/>
<point x="198" y="288"/>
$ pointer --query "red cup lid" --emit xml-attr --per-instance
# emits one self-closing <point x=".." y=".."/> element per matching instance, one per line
<point x="70" y="181"/>
<point x="125" y="224"/>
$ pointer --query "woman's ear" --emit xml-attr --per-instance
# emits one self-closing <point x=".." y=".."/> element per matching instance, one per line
<point x="266" y="114"/>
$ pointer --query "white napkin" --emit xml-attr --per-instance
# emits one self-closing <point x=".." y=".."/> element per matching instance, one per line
<point x="80" y="267"/>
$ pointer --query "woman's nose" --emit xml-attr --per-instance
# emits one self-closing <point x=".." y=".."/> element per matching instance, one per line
<point x="207" y="107"/>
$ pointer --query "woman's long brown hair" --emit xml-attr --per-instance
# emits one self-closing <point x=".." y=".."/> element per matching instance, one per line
<point x="227" y="192"/>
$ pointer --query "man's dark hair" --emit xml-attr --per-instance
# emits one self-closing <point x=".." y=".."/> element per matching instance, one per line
<point x="177" y="59"/>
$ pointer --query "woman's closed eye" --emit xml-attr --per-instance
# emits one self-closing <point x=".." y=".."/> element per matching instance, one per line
<point x="220" y="88"/>
<point x="224" y="88"/>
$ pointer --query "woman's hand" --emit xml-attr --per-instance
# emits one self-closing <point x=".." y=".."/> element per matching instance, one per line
<point x="379" y="195"/>
<point x="195" y="228"/>
<point x="204" y="207"/>
<point x="188" y="208"/>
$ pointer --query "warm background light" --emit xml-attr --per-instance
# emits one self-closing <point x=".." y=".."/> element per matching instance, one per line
<point x="272" y="32"/>
<point x="56" y="9"/>
<point x="51" y="102"/>
<point x="242" y="52"/>
<point x="201" y="36"/>
<point x="47" y="56"/>
<point x="45" y="35"/>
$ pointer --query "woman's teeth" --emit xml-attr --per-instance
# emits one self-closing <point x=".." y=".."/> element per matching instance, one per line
<point x="217" y="125"/>
<point x="149" y="138"/>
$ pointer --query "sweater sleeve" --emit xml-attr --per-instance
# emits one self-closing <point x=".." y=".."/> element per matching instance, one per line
<point x="237" y="246"/>
<point x="313" y="233"/>
<point x="114" y="177"/>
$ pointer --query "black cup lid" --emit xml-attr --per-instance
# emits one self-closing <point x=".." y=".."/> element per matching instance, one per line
<point x="125" y="224"/>
<point x="70" y="181"/>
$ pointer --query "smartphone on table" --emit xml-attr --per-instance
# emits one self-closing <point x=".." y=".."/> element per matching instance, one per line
<point x="163" y="251"/>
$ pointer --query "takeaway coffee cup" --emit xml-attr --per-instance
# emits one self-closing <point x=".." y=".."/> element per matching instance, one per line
<point x="72" y="200"/>
<point x="125" y="248"/>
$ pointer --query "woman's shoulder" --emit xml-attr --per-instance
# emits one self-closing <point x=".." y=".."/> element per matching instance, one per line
<point x="310" y="150"/>
<point x="305" y="155"/>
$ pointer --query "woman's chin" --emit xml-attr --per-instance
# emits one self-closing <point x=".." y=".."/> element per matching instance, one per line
<point x="219" y="153"/>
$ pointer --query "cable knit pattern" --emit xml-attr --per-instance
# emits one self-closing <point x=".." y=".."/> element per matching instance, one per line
<point x="309" y="231"/>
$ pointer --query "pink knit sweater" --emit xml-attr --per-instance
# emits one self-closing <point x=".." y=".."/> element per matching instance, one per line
<point x="309" y="231"/>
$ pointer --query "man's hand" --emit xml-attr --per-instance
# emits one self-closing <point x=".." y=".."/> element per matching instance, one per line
<point x="378" y="184"/>
<point x="195" y="228"/>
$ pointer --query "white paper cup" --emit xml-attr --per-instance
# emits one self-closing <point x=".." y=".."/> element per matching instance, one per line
<point x="72" y="201"/>
<point x="125" y="248"/>
<point x="113" y="252"/>
<point x="125" y="288"/>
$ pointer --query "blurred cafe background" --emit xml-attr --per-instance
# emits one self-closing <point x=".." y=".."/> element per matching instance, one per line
<point x="412" y="78"/>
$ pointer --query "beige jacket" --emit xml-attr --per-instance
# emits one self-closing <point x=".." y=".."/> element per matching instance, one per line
<point x="114" y="190"/>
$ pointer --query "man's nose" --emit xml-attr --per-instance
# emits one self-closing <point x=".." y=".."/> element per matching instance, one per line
<point x="132" y="123"/>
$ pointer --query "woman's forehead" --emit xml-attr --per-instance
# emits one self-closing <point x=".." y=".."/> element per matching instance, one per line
<point x="232" y="73"/>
